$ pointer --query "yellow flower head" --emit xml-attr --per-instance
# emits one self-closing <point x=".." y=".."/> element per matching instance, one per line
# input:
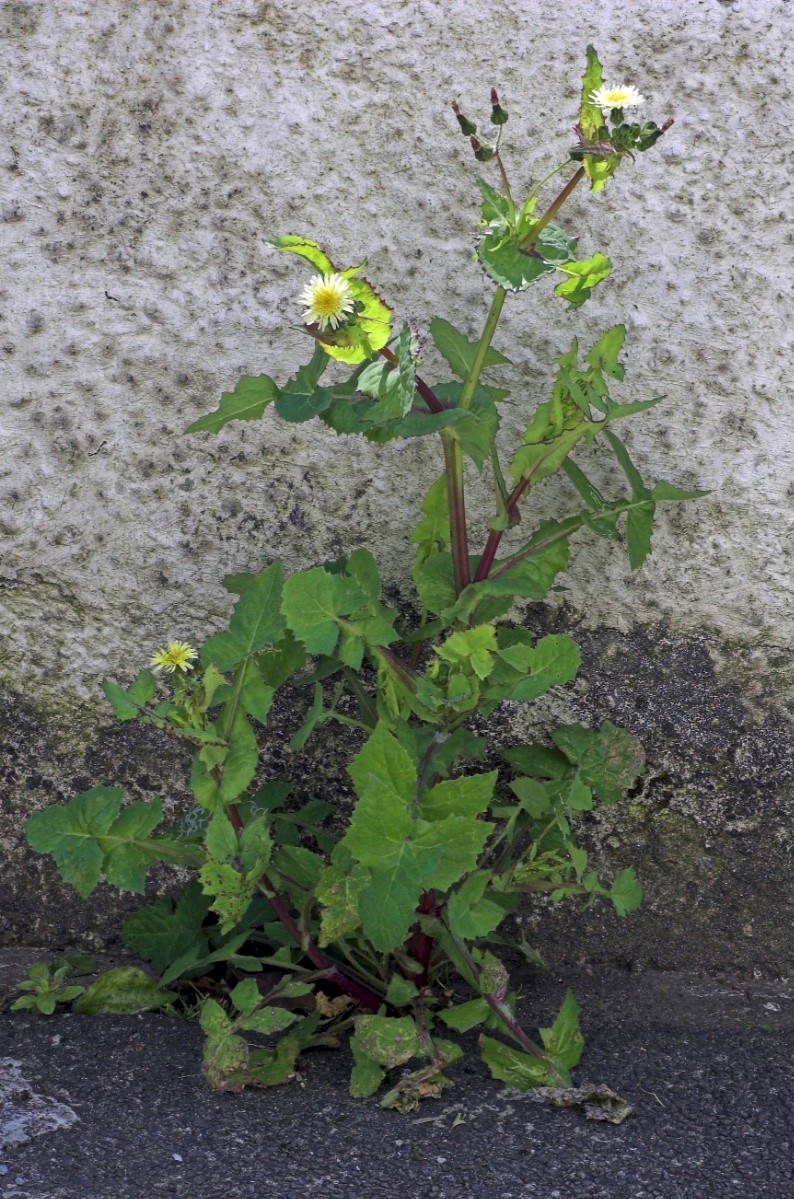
<point x="328" y="301"/>
<point x="620" y="95"/>
<point x="177" y="656"/>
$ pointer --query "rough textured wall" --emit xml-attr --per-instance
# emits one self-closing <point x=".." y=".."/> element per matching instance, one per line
<point x="148" y="152"/>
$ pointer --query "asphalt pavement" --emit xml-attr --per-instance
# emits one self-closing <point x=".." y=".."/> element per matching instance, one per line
<point x="115" y="1107"/>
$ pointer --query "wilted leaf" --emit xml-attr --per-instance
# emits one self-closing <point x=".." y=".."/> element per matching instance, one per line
<point x="123" y="991"/>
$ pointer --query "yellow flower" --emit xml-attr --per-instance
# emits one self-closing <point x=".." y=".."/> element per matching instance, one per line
<point x="620" y="95"/>
<point x="177" y="656"/>
<point x="328" y="301"/>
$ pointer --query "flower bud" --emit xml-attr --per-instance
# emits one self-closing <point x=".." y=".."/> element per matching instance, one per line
<point x="467" y="127"/>
<point x="481" y="153"/>
<point x="498" y="114"/>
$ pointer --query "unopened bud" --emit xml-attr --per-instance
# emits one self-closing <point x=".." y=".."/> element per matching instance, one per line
<point x="498" y="114"/>
<point x="467" y="127"/>
<point x="481" y="153"/>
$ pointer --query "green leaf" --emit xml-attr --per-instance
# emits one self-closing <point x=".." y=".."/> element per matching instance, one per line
<point x="363" y="569"/>
<point x="168" y="930"/>
<point x="387" y="1040"/>
<point x="231" y="892"/>
<point x="267" y="1020"/>
<point x="582" y="278"/>
<point x="603" y="357"/>
<point x="598" y="170"/>
<point x="468" y="796"/>
<point x="537" y="461"/>
<point x="626" y="892"/>
<point x="667" y="492"/>
<point x="564" y="1042"/>
<point x="301" y="398"/>
<point x="248" y="401"/>
<point x="432" y="533"/>
<point x="435" y="583"/>
<point x="609" y="758"/>
<point x="255" y="623"/>
<point x="511" y="268"/>
<point x="87" y="836"/>
<point x="256" y="844"/>
<point x="495" y="206"/>
<point x="553" y="661"/>
<point x="312" y="602"/>
<point x="254" y="695"/>
<point x="127" y="849"/>
<point x="128" y="704"/>
<point x="392" y="387"/>
<point x="458" y="350"/>
<point x="379" y="826"/>
<point x="298" y="406"/>
<point x="246" y="995"/>
<point x="401" y="991"/>
<point x="316" y="715"/>
<point x="529" y="578"/>
<point x="587" y="490"/>
<point x="639" y="528"/>
<point x="366" y="1076"/>
<point x="590" y="114"/>
<point x="299" y="865"/>
<point x="472" y="648"/>
<point x="449" y="848"/>
<point x="387" y="903"/>
<point x="339" y="894"/>
<point x="618" y="411"/>
<point x="123" y="991"/>
<point x="293" y="243"/>
<point x="239" y="764"/>
<point x="220" y="839"/>
<point x="383" y="757"/>
<point x="465" y="1016"/>
<point x="470" y="915"/>
<point x="517" y="1069"/>
<point x="280" y="662"/>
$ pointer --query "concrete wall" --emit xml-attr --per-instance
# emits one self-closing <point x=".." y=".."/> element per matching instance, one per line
<point x="150" y="149"/>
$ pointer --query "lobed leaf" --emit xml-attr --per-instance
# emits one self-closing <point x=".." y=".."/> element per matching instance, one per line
<point x="458" y="350"/>
<point x="248" y="401"/>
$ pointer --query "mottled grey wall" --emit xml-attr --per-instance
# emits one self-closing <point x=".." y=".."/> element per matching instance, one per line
<point x="150" y="149"/>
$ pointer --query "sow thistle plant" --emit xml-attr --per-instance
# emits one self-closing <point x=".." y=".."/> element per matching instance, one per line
<point x="291" y="934"/>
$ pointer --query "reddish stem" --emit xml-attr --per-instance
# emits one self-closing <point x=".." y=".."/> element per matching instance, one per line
<point x="316" y="956"/>
<point x="420" y="946"/>
<point x="426" y="392"/>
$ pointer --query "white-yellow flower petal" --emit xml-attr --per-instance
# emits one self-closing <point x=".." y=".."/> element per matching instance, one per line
<point x="617" y="95"/>
<point x="177" y="656"/>
<point x="328" y="301"/>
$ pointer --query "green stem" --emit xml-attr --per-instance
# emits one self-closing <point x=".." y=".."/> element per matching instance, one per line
<point x="505" y="181"/>
<point x="552" y="210"/>
<point x="365" y="703"/>
<point x="475" y="370"/>
<point x="453" y="458"/>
